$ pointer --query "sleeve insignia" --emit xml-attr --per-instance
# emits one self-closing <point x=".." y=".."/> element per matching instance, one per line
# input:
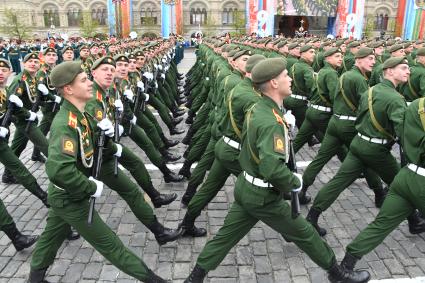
<point x="72" y="120"/>
<point x="278" y="144"/>
<point x="68" y="146"/>
<point x="99" y="114"/>
<point x="98" y="96"/>
<point x="19" y="90"/>
<point x="278" y="118"/>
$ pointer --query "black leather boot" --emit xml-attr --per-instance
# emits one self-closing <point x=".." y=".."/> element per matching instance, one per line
<point x="8" y="178"/>
<point x="197" y="275"/>
<point x="416" y="223"/>
<point x="189" y="229"/>
<point x="186" y="140"/>
<point x="313" y="217"/>
<point x="169" y="177"/>
<point x="178" y="112"/>
<point x="73" y="235"/>
<point x="169" y="156"/>
<point x="175" y="131"/>
<point x="189" y="119"/>
<point x="380" y="195"/>
<point x="19" y="240"/>
<point x="303" y="197"/>
<point x="163" y="235"/>
<point x="176" y="121"/>
<point x="36" y="156"/>
<point x="313" y="141"/>
<point x="337" y="274"/>
<point x="42" y="195"/>
<point x="168" y="142"/>
<point x="185" y="170"/>
<point x="157" y="198"/>
<point x="349" y="262"/>
<point x="153" y="278"/>
<point x="37" y="276"/>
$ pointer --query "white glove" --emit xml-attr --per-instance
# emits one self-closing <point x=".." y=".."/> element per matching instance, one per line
<point x="133" y="120"/>
<point x="156" y="85"/>
<point x="99" y="187"/>
<point x="43" y="89"/>
<point x="129" y="94"/>
<point x="160" y="67"/>
<point x="163" y="76"/>
<point x="16" y="100"/>
<point x="120" y="130"/>
<point x="300" y="177"/>
<point x="119" y="150"/>
<point x="3" y="132"/>
<point x="32" y="116"/>
<point x="289" y="118"/>
<point x="146" y="97"/>
<point x="156" y="66"/>
<point x="118" y="105"/>
<point x="146" y="75"/>
<point x="163" y="59"/>
<point x="141" y="85"/>
<point x="107" y="126"/>
<point x="58" y="99"/>
<point x="207" y="78"/>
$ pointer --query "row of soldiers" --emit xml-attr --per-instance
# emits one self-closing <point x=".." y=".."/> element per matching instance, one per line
<point x="352" y="96"/>
<point x="82" y="101"/>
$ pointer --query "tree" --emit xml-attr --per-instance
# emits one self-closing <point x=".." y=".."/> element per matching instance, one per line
<point x="239" y="23"/>
<point x="88" y="26"/>
<point x="13" y="27"/>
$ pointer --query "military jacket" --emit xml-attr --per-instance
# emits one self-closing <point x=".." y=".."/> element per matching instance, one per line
<point x="3" y="103"/>
<point x="414" y="133"/>
<point x="348" y="62"/>
<point x="415" y="87"/>
<point x="303" y="82"/>
<point x="265" y="146"/>
<point x="326" y="86"/>
<point x="388" y="108"/>
<point x="102" y="101"/>
<point x="42" y="77"/>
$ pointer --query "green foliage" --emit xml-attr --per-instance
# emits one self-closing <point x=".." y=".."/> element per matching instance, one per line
<point x="370" y="25"/>
<point x="88" y="26"/>
<point x="239" y="23"/>
<point x="13" y="27"/>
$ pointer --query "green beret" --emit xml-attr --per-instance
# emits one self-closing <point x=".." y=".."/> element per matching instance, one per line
<point x="31" y="56"/>
<point x="340" y="42"/>
<point x="131" y="56"/>
<point x="395" y="47"/>
<point x="83" y="47"/>
<point x="353" y="44"/>
<point x="104" y="60"/>
<point x="47" y="50"/>
<point x="407" y="45"/>
<point x="121" y="57"/>
<point x="292" y="46"/>
<point x="267" y="70"/>
<point x="94" y="44"/>
<point x="326" y="43"/>
<point x="241" y="53"/>
<point x="419" y="42"/>
<point x="252" y="61"/>
<point x="65" y="73"/>
<point x="364" y="52"/>
<point x="306" y="48"/>
<point x="138" y="53"/>
<point x="376" y="44"/>
<point x="281" y="44"/>
<point x="393" y="62"/>
<point x="4" y="63"/>
<point x="390" y="42"/>
<point x="233" y="52"/>
<point x="331" y="51"/>
<point x="420" y="52"/>
<point x="67" y="48"/>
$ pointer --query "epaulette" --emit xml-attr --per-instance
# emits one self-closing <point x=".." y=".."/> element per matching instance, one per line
<point x="72" y="120"/>
<point x="278" y="118"/>
<point x="99" y="96"/>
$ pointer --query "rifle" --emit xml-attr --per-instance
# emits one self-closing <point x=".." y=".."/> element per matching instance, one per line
<point x="292" y="165"/>
<point x="34" y="108"/>
<point x="117" y="119"/>
<point x="8" y="115"/>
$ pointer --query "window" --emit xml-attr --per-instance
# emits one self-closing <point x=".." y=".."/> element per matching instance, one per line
<point x="99" y="14"/>
<point x="229" y="14"/>
<point x="75" y="16"/>
<point x="382" y="18"/>
<point x="51" y="16"/>
<point x="149" y="14"/>
<point x="198" y="16"/>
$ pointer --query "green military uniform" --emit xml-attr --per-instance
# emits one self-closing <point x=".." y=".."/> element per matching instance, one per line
<point x="415" y="86"/>
<point x="407" y="190"/>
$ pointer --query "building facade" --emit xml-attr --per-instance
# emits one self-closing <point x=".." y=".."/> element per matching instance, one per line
<point x="56" y="17"/>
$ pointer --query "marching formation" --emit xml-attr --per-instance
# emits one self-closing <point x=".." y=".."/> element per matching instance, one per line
<point x="359" y="100"/>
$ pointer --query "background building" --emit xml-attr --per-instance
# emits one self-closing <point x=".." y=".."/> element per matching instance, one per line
<point x="76" y="17"/>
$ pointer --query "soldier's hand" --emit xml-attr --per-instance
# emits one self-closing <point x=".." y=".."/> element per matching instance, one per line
<point x="163" y="76"/>
<point x="133" y="121"/>
<point x="289" y="118"/>
<point x="107" y="126"/>
<point x="32" y="116"/>
<point x="120" y="130"/>
<point x="16" y="100"/>
<point x="99" y="187"/>
<point x="3" y="132"/>
<point x="43" y="89"/>
<point x="128" y="93"/>
<point x="58" y="99"/>
<point x="300" y="178"/>
<point x="118" y="105"/>
<point x="146" y="97"/>
<point x="119" y="150"/>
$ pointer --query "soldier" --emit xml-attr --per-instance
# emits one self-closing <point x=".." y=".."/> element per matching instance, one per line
<point x="396" y="50"/>
<point x="406" y="191"/>
<point x="379" y="123"/>
<point x="265" y="176"/>
<point x="415" y="86"/>
<point x="68" y="53"/>
<point x="349" y="58"/>
<point x="68" y="167"/>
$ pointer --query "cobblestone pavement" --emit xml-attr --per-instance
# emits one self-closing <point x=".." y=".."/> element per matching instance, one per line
<point x="261" y="256"/>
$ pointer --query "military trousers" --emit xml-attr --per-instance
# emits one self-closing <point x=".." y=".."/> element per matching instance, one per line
<point x="45" y="123"/>
<point x="203" y="165"/>
<point x="148" y="113"/>
<point x="21" y="138"/>
<point x="144" y="122"/>
<point x="199" y="143"/>
<point x="163" y="96"/>
<point x="362" y="154"/>
<point x="338" y="137"/>
<point x="139" y="136"/>
<point x="5" y="218"/>
<point x="253" y="204"/>
<point x="12" y="163"/>
<point x="315" y="123"/>
<point x="99" y="235"/>
<point x="407" y="193"/>
<point x="225" y="163"/>
<point x="162" y="110"/>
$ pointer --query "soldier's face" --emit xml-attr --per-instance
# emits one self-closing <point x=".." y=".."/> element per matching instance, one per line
<point x="94" y="50"/>
<point x="4" y="75"/>
<point x="309" y="55"/>
<point x="366" y="64"/>
<point x="420" y="59"/>
<point x="84" y="53"/>
<point x="81" y="88"/>
<point x="343" y="48"/>
<point x="140" y="60"/>
<point x="241" y="63"/>
<point x="398" y="53"/>
<point x="32" y="65"/>
<point x="122" y="70"/>
<point x="295" y="52"/>
<point x="68" y="55"/>
<point x="379" y="50"/>
<point x="51" y="58"/>
<point x="400" y="73"/>
<point x="104" y="75"/>
<point x="335" y="59"/>
<point x="132" y="66"/>
<point x="283" y="84"/>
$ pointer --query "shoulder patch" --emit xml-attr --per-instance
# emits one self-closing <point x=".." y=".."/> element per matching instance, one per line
<point x="72" y="120"/>
<point x="98" y="114"/>
<point x="19" y="90"/>
<point x="69" y="146"/>
<point x="278" y="144"/>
